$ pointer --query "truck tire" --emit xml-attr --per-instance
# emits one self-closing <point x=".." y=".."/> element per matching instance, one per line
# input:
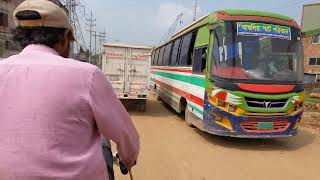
<point x="143" y="106"/>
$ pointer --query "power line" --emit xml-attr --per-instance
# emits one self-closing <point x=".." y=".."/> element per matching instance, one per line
<point x="172" y="29"/>
<point x="91" y="24"/>
<point x="80" y="32"/>
<point x="73" y="7"/>
<point x="102" y="38"/>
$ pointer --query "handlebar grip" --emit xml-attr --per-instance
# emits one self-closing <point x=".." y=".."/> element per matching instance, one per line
<point x="124" y="170"/>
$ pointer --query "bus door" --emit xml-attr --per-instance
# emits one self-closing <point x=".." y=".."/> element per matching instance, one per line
<point x="198" y="80"/>
<point x="199" y="60"/>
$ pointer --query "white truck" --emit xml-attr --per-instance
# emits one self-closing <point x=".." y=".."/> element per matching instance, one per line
<point x="128" y="69"/>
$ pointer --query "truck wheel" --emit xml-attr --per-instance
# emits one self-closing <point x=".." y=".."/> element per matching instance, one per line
<point x="143" y="106"/>
<point x="188" y="117"/>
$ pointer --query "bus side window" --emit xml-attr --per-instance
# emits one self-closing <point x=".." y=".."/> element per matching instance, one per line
<point x="186" y="49"/>
<point x="156" y="56"/>
<point x="218" y="54"/>
<point x="200" y="60"/>
<point x="191" y="48"/>
<point x="167" y="54"/>
<point x="161" y="53"/>
<point x="218" y="47"/>
<point x="175" y="51"/>
<point x="152" y="58"/>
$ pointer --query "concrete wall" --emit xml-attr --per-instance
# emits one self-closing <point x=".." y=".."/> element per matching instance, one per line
<point x="311" y="86"/>
<point x="310" y="17"/>
<point x="311" y="51"/>
<point x="7" y="7"/>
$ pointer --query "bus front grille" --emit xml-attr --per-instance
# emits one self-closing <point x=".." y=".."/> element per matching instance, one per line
<point x="253" y="126"/>
<point x="266" y="104"/>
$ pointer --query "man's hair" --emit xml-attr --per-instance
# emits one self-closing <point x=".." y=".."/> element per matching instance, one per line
<point x="38" y="35"/>
<point x="25" y="36"/>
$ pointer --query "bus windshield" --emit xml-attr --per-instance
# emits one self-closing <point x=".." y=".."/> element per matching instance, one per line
<point x="257" y="51"/>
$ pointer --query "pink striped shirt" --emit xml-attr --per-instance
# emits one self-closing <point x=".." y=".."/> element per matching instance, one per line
<point x="52" y="110"/>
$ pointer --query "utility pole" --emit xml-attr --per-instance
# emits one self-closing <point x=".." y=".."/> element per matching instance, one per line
<point x="91" y="25"/>
<point x="72" y="7"/>
<point x="195" y="10"/>
<point x="95" y="42"/>
<point x="95" y="35"/>
<point x="102" y="39"/>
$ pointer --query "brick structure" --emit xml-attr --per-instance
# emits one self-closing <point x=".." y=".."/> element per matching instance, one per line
<point x="311" y="39"/>
<point x="6" y="24"/>
<point x="311" y="55"/>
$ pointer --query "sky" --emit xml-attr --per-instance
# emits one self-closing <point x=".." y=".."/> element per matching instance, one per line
<point x="145" y="22"/>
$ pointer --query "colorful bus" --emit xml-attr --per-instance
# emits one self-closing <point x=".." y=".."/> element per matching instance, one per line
<point x="235" y="73"/>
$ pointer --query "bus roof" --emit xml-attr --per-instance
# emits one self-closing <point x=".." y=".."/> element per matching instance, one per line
<point x="241" y="12"/>
<point x="238" y="14"/>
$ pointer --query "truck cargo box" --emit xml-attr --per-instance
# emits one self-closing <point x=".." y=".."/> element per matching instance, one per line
<point x="127" y="67"/>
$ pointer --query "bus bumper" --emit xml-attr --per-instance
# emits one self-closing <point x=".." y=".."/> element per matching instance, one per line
<point x="250" y="127"/>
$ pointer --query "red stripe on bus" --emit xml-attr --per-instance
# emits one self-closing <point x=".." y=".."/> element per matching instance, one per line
<point x="182" y="93"/>
<point x="175" y="70"/>
<point x="265" y="88"/>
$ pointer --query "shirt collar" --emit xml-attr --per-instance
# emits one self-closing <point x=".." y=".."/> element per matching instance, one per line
<point x="39" y="47"/>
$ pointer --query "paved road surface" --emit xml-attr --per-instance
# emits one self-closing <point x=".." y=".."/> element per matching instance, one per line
<point x="170" y="150"/>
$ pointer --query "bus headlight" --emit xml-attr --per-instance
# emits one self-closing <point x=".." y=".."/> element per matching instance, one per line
<point x="232" y="108"/>
<point x="221" y="103"/>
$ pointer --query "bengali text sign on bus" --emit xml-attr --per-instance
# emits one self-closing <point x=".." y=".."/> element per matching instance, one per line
<point x="261" y="29"/>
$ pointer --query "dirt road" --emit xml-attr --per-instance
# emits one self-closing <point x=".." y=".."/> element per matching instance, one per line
<point x="170" y="150"/>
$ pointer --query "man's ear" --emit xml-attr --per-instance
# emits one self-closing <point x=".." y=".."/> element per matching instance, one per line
<point x="67" y="36"/>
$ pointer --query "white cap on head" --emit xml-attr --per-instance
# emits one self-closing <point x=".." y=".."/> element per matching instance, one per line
<point x="51" y="15"/>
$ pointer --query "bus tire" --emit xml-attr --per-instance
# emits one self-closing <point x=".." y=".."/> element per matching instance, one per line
<point x="158" y="98"/>
<point x="188" y="117"/>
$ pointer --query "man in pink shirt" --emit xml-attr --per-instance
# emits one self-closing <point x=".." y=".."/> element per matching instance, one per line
<point x="53" y="109"/>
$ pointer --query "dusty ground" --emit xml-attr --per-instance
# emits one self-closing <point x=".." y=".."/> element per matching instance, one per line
<point x="311" y="119"/>
<point x="170" y="150"/>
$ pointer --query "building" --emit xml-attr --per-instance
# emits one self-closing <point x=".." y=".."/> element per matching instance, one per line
<point x="311" y="38"/>
<point x="7" y="7"/>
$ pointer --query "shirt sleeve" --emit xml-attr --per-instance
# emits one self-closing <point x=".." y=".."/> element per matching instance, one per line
<point x="112" y="119"/>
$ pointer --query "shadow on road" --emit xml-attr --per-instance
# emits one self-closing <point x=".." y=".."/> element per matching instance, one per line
<point x="160" y="109"/>
<point x="303" y="139"/>
<point x="154" y="108"/>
